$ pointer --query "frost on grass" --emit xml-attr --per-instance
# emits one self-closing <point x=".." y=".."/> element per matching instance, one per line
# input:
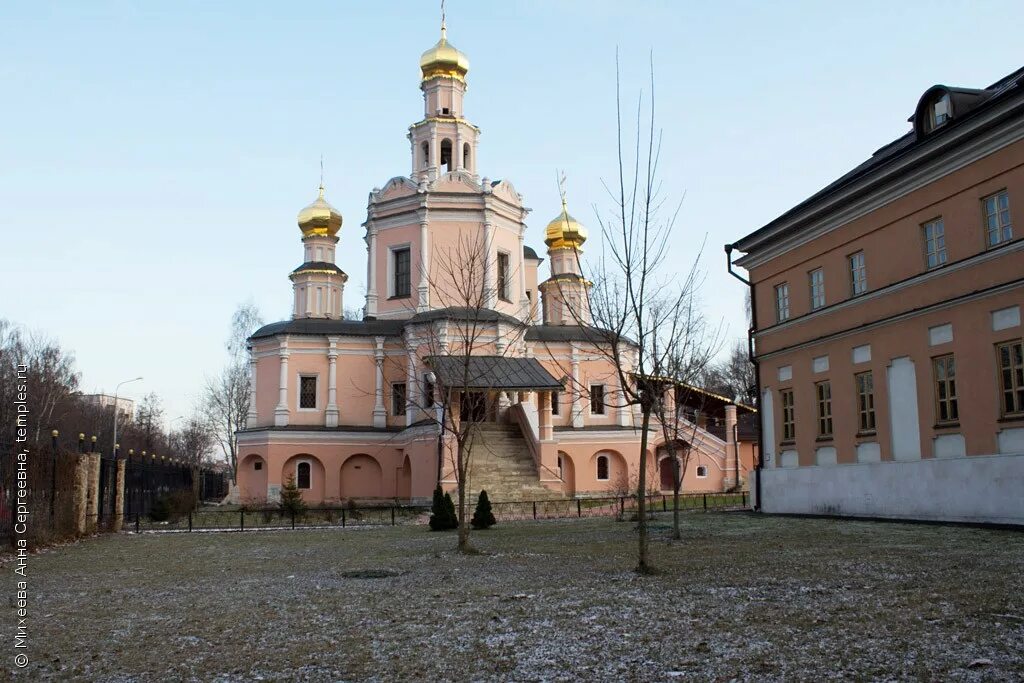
<point x="741" y="597"/>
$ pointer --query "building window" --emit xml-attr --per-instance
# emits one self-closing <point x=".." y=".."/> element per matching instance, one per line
<point x="817" y="281"/>
<point x="934" y="243"/>
<point x="865" y="401"/>
<point x="823" y="391"/>
<point x="997" y="218"/>
<point x="403" y="279"/>
<point x="602" y="468"/>
<point x="858" y="274"/>
<point x="258" y="465"/>
<point x="788" y="421"/>
<point x="946" y="409"/>
<point x="307" y="392"/>
<point x="782" y="302"/>
<point x="597" y="399"/>
<point x="303" y="475"/>
<point x="702" y="471"/>
<point x="939" y="112"/>
<point x="554" y="403"/>
<point x="503" y="277"/>
<point x="319" y="253"/>
<point x="398" y="397"/>
<point x="428" y="392"/>
<point x="1011" y="377"/>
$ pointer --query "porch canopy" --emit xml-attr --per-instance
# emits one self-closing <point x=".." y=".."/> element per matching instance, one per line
<point x="492" y="372"/>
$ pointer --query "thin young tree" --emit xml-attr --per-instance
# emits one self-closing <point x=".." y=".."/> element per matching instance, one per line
<point x="643" y="307"/>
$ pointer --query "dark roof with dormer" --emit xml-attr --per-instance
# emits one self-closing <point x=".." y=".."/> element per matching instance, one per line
<point x="967" y="106"/>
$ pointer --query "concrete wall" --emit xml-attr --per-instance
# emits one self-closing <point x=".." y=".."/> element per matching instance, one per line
<point x="980" y="488"/>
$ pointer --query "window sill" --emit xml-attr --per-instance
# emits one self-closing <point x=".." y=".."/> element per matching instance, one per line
<point x="946" y="425"/>
<point x="790" y="442"/>
<point x="397" y="297"/>
<point x="504" y="300"/>
<point x="1011" y="418"/>
<point x="825" y="439"/>
<point x="866" y="435"/>
<point x="306" y="410"/>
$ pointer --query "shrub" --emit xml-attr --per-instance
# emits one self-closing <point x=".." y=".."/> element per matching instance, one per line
<point x="442" y="512"/>
<point x="181" y="502"/>
<point x="291" y="499"/>
<point x="161" y="510"/>
<point x="483" y="518"/>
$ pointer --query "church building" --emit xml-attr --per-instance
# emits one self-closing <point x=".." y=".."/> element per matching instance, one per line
<point x="353" y="409"/>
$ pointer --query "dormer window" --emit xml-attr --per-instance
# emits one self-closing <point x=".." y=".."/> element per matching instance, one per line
<point x="939" y="112"/>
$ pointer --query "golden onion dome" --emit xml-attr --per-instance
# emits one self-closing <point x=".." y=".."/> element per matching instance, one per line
<point x="565" y="232"/>
<point x="319" y="218"/>
<point x="444" y="60"/>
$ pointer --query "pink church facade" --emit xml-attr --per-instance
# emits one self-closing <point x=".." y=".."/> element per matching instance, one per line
<point x="349" y="407"/>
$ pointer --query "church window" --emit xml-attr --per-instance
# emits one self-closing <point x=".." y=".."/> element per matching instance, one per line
<point x="554" y="403"/>
<point x="446" y="155"/>
<point x="503" y="277"/>
<point x="319" y="299"/>
<point x="398" y="398"/>
<point x="307" y="392"/>
<point x="465" y="156"/>
<point x="319" y="253"/>
<point x="426" y="154"/>
<point x="303" y="475"/>
<point x="428" y="392"/>
<point x="602" y="468"/>
<point x="597" y="399"/>
<point x="702" y="471"/>
<point x="403" y="280"/>
<point x="258" y="465"/>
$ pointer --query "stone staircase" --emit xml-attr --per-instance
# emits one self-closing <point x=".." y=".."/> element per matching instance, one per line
<point x="501" y="464"/>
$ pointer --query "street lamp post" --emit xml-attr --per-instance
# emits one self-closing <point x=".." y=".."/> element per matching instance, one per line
<point x="127" y="381"/>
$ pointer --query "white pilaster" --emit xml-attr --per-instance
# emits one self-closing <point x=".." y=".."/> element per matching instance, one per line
<point x="489" y="284"/>
<point x="524" y="303"/>
<point x="380" y="415"/>
<point x="331" y="414"/>
<point x="251" y="417"/>
<point x="371" y="271"/>
<point x="424" y="290"/>
<point x="577" y="391"/>
<point x="281" y="411"/>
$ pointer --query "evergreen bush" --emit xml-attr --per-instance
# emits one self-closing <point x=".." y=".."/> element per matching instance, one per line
<point x="291" y="499"/>
<point x="442" y="512"/>
<point x="449" y="505"/>
<point x="483" y="517"/>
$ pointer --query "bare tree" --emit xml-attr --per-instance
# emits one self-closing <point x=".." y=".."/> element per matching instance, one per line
<point x="193" y="440"/>
<point x="734" y="377"/>
<point x="226" y="396"/>
<point x="645" y="309"/>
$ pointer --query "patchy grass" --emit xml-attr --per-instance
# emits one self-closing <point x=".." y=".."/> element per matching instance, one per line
<point x="743" y="596"/>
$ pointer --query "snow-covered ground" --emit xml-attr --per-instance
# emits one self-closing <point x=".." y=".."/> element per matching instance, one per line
<point x="742" y="597"/>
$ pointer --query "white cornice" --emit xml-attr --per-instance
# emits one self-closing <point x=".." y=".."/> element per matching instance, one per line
<point x="899" y="183"/>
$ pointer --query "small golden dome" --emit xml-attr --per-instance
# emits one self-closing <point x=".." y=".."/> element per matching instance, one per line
<point x="565" y="232"/>
<point x="319" y="218"/>
<point x="444" y="60"/>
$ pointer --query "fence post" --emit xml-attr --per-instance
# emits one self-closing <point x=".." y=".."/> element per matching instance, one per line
<point x="53" y="475"/>
<point x="705" y="502"/>
<point x="343" y="518"/>
<point x="242" y="523"/>
<point x="622" y="506"/>
<point x="138" y="516"/>
<point x="744" y="499"/>
<point x="664" y="503"/>
<point x="392" y="515"/>
<point x="190" y="521"/>
<point x="293" y="520"/>
<point x="535" y="509"/>
<point x="579" y="508"/>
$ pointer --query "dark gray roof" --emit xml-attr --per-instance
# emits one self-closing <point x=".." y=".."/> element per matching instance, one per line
<point x="319" y="265"/>
<point x="970" y="102"/>
<point x="528" y="252"/>
<point x="464" y="313"/>
<point x="491" y="372"/>
<point x="556" y="333"/>
<point x="323" y="326"/>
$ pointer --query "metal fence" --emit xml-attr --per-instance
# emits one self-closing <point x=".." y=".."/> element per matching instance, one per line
<point x="149" y="479"/>
<point x="46" y="481"/>
<point x="248" y="519"/>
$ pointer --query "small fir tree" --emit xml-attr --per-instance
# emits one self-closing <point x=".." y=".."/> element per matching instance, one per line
<point x="291" y="498"/>
<point x="449" y="505"/>
<point x="440" y="514"/>
<point x="483" y="518"/>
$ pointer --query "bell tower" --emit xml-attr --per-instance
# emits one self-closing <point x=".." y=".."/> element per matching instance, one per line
<point x="566" y="294"/>
<point x="318" y="284"/>
<point x="443" y="141"/>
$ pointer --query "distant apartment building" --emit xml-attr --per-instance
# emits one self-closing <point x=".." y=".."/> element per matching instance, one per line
<point x="125" y="406"/>
<point x="887" y="324"/>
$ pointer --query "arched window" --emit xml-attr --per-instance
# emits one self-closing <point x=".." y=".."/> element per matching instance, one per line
<point x="465" y="157"/>
<point x="446" y="155"/>
<point x="303" y="475"/>
<point x="602" y="468"/>
<point x="702" y="471"/>
<point x="426" y="154"/>
<point x="559" y="466"/>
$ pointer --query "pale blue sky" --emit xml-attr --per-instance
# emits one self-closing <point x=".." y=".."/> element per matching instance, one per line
<point x="154" y="155"/>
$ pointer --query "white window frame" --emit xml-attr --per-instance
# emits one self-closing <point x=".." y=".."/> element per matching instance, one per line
<point x="1000" y="225"/>
<point x="310" y="463"/>
<point x="604" y="393"/>
<point x="405" y="403"/>
<point x="505" y="296"/>
<point x="782" y="302"/>
<point x="298" y="392"/>
<point x="937" y="228"/>
<point x="392" y="248"/>
<point x="607" y="469"/>
<point x="858" y="273"/>
<point x="702" y="467"/>
<point x="816" y="288"/>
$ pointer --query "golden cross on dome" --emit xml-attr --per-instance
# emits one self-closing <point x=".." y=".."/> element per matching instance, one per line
<point x="444" y="31"/>
<point x="321" y="176"/>
<point x="561" y="185"/>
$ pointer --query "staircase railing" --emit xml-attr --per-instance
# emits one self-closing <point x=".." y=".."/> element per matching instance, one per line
<point x="521" y="416"/>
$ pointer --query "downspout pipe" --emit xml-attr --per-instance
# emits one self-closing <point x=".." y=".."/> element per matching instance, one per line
<point x="751" y="331"/>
